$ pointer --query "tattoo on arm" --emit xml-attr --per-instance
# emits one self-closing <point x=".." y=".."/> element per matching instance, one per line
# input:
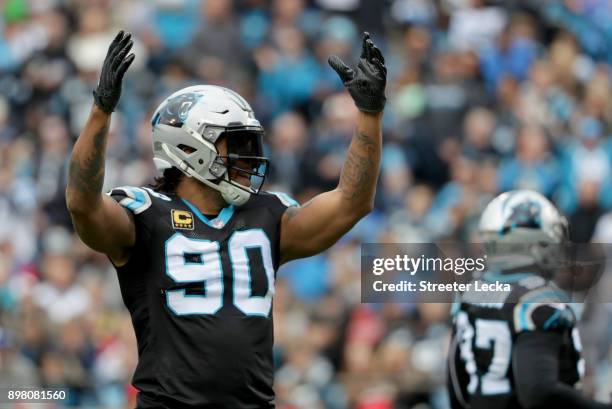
<point x="360" y="170"/>
<point x="87" y="175"/>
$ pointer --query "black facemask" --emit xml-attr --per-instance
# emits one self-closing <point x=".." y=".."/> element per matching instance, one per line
<point x="245" y="157"/>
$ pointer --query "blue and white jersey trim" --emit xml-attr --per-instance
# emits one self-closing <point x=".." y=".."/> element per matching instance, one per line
<point x="286" y="199"/>
<point x="137" y="200"/>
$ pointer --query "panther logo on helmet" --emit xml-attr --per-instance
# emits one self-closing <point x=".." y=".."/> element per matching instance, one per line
<point x="176" y="109"/>
<point x="526" y="214"/>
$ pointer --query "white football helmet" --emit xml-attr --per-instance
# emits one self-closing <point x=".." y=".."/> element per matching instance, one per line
<point x="188" y="123"/>
<point x="522" y="228"/>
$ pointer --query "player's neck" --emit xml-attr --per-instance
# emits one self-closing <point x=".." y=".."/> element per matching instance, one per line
<point x="206" y="199"/>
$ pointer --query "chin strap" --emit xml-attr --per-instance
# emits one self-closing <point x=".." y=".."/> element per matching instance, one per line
<point x="230" y="193"/>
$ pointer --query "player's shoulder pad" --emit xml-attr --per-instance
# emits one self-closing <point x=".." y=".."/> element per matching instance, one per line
<point x="136" y="199"/>
<point x="544" y="309"/>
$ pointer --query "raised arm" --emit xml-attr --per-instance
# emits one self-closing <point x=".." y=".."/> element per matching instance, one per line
<point x="319" y="223"/>
<point x="101" y="222"/>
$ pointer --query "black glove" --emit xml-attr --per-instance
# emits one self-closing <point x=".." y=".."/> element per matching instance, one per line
<point x="106" y="96"/>
<point x="366" y="83"/>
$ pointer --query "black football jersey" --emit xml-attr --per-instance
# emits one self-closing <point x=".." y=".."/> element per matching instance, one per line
<point x="199" y="292"/>
<point x="485" y="327"/>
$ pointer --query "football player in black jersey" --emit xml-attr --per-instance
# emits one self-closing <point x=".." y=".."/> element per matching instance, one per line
<point x="197" y="256"/>
<point x="519" y="349"/>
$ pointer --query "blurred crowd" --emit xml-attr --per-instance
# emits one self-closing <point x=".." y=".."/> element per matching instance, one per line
<point x="483" y="97"/>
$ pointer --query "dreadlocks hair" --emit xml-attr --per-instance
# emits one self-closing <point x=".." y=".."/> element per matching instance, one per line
<point x="169" y="181"/>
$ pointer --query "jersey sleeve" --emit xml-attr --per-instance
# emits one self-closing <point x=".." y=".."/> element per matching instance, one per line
<point x="137" y="200"/>
<point x="139" y="203"/>
<point x="280" y="202"/>
<point x="543" y="316"/>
